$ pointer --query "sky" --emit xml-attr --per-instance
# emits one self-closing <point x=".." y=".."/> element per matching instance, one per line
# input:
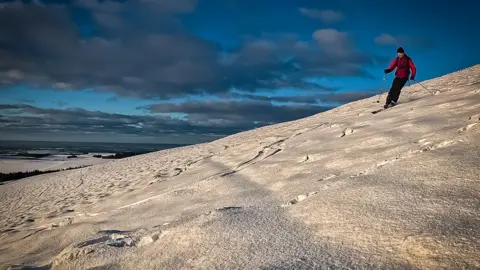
<point x="191" y="71"/>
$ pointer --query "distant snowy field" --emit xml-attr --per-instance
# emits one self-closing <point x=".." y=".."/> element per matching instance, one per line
<point x="19" y="156"/>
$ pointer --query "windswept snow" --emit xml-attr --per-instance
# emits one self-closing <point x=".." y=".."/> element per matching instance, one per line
<point x="341" y="189"/>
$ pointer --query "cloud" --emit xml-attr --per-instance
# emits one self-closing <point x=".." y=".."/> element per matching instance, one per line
<point x="333" y="41"/>
<point x="152" y="56"/>
<point x="16" y="4"/>
<point x="172" y="6"/>
<point x="161" y="7"/>
<point x="331" y="97"/>
<point x="207" y="118"/>
<point x="14" y="74"/>
<point x="237" y="113"/>
<point x="327" y="16"/>
<point x="22" y="119"/>
<point x="306" y="99"/>
<point x="390" y="40"/>
<point x="386" y="39"/>
<point x="108" y="20"/>
<point x="107" y="6"/>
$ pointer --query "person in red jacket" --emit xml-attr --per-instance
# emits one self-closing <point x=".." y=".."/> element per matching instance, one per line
<point x="403" y="63"/>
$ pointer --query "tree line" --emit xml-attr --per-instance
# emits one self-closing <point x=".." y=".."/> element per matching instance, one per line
<point x="4" y="177"/>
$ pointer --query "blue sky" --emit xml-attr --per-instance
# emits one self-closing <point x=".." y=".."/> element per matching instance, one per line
<point x="187" y="71"/>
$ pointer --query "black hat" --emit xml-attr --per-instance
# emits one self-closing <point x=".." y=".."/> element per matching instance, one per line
<point x="400" y="50"/>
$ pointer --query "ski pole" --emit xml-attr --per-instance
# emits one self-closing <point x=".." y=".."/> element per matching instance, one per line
<point x="424" y="87"/>
<point x="383" y="82"/>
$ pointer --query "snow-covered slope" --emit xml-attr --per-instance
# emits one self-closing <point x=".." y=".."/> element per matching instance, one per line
<point x="341" y="189"/>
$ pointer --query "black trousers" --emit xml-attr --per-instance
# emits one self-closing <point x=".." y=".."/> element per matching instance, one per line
<point x="394" y="93"/>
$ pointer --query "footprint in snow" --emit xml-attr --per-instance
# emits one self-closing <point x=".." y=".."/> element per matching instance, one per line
<point x="303" y="159"/>
<point x="167" y="173"/>
<point x="346" y="132"/>
<point x="475" y="117"/>
<point x="330" y="176"/>
<point x="298" y="199"/>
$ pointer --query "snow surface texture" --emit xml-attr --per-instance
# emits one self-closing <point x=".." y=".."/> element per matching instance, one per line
<point x="341" y="189"/>
<point x="57" y="162"/>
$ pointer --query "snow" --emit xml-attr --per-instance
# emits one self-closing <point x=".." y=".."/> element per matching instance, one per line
<point x="340" y="189"/>
<point x="53" y="162"/>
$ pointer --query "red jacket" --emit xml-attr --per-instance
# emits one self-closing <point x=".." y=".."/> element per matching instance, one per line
<point x="403" y="66"/>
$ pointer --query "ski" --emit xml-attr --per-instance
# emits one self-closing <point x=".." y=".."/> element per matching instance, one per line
<point x="382" y="109"/>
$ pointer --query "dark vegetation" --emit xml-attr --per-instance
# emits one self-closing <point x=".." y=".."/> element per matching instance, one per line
<point x="31" y="155"/>
<point x="19" y="175"/>
<point x="120" y="155"/>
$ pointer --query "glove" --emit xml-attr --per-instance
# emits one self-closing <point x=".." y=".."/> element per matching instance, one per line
<point x="386" y="71"/>
<point x="412" y="78"/>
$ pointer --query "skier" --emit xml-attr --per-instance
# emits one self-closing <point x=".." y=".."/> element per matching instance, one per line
<point x="403" y="63"/>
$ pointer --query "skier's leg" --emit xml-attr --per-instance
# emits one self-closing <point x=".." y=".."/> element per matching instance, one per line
<point x="398" y="89"/>
<point x="391" y="93"/>
<point x="389" y="98"/>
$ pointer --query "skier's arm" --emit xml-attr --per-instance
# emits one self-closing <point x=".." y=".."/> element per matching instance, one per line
<point x="413" y="68"/>
<point x="392" y="66"/>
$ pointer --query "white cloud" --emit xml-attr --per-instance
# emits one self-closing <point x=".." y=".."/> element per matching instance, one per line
<point x="333" y="42"/>
<point x="386" y="39"/>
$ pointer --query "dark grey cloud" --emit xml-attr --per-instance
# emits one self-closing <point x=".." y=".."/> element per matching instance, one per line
<point x="22" y="119"/>
<point x="201" y="119"/>
<point x="152" y="56"/>
<point x="237" y="113"/>
<point x="329" y="97"/>
<point x="109" y="7"/>
<point x="307" y="99"/>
